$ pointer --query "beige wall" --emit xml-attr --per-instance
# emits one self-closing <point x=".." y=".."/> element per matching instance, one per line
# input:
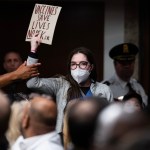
<point x="132" y="27"/>
<point x="121" y="25"/>
<point x="113" y="31"/>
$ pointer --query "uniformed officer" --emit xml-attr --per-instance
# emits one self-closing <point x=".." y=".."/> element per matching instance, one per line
<point x="121" y="83"/>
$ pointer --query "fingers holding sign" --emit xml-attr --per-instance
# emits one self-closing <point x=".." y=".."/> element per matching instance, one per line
<point x="35" y="42"/>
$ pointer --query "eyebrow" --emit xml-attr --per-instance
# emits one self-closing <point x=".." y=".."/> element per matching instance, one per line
<point x="79" y="61"/>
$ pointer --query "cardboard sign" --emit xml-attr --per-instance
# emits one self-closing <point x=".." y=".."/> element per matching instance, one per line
<point x="43" y="22"/>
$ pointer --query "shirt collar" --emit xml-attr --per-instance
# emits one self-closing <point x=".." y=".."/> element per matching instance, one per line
<point x="121" y="82"/>
<point x="25" y="143"/>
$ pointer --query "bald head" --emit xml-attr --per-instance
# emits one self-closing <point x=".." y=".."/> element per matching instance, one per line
<point x="86" y="109"/>
<point x="82" y="120"/>
<point x="43" y="110"/>
<point x="39" y="116"/>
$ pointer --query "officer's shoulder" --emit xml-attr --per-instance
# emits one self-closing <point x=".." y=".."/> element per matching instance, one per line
<point x="109" y="81"/>
<point x="102" y="85"/>
<point x="135" y="81"/>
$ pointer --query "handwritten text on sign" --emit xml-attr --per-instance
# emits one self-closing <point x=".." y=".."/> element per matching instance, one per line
<point x="43" y="22"/>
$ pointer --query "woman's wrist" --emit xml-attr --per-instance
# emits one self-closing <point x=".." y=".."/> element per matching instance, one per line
<point x="33" y="50"/>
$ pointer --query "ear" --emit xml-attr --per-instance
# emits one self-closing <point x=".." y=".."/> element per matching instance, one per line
<point x="25" y="121"/>
<point x="91" y="67"/>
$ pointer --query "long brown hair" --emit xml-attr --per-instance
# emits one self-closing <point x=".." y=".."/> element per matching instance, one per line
<point x="74" y="90"/>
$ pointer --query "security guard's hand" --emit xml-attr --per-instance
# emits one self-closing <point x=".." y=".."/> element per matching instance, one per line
<point x="25" y="72"/>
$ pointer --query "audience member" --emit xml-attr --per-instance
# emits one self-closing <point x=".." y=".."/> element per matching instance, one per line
<point x="80" y="81"/>
<point x="122" y="82"/>
<point x="81" y="118"/>
<point x="12" y="60"/>
<point x="38" y="126"/>
<point x="135" y="140"/>
<point x="13" y="131"/>
<point x="16" y="90"/>
<point x="4" y="120"/>
<point x="114" y="123"/>
<point x="134" y="101"/>
<point x="66" y="136"/>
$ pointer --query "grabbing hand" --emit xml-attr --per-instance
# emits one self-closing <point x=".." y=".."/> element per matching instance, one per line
<point x="25" y="72"/>
<point x="35" y="42"/>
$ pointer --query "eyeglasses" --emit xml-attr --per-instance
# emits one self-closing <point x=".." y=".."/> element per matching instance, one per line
<point x="82" y="65"/>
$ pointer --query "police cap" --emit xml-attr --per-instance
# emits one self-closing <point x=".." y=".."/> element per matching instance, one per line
<point x="124" y="51"/>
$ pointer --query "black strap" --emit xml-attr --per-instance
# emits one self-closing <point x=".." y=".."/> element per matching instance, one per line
<point x="107" y="83"/>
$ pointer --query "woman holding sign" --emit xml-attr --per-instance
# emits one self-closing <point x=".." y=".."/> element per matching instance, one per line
<point x="80" y="81"/>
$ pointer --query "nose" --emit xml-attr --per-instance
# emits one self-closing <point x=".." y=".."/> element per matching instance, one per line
<point x="78" y="65"/>
<point x="12" y="63"/>
<point x="126" y="64"/>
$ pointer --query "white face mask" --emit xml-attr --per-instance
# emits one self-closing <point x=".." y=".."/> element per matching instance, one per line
<point x="80" y="75"/>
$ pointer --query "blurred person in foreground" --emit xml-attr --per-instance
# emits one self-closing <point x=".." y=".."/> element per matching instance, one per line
<point x="38" y="126"/>
<point x="116" y="122"/>
<point x="13" y="131"/>
<point x="135" y="140"/>
<point x="5" y="112"/>
<point x="81" y="121"/>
